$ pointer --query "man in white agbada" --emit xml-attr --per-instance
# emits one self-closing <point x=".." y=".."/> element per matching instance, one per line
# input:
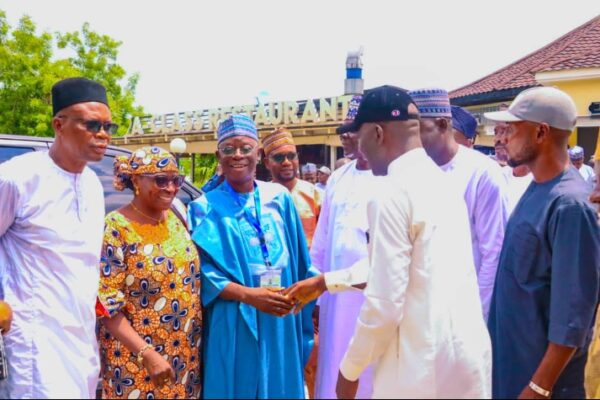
<point x="576" y="155"/>
<point x="421" y="322"/>
<point x="340" y="241"/>
<point x="479" y="178"/>
<point x="51" y="225"/>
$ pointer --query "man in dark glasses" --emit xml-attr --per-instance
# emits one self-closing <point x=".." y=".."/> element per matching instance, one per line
<point x="281" y="159"/>
<point x="51" y="225"/>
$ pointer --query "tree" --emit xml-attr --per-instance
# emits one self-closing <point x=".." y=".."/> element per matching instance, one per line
<point x="28" y="69"/>
<point x="205" y="166"/>
<point x="96" y="58"/>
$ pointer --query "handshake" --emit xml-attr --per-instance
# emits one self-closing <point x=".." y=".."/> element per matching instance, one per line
<point x="289" y="300"/>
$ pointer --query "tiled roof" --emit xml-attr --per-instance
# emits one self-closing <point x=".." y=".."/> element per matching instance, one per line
<point x="579" y="48"/>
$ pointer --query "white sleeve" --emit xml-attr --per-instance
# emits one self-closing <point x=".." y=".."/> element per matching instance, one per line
<point x="382" y="311"/>
<point x="491" y="215"/>
<point x="318" y="249"/>
<point x="347" y="278"/>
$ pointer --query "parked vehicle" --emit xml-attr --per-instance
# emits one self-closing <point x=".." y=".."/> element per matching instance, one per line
<point x="14" y="145"/>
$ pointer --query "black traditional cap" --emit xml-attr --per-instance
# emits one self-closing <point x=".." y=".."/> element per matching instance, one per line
<point x="76" y="90"/>
<point x="383" y="103"/>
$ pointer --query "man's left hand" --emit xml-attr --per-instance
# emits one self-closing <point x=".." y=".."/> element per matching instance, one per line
<point x="346" y="389"/>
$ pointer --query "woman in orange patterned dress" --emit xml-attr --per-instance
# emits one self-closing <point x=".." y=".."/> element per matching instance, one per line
<point x="150" y="284"/>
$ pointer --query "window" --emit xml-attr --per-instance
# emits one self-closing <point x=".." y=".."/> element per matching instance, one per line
<point x="6" y="153"/>
<point x="113" y="199"/>
<point x="185" y="196"/>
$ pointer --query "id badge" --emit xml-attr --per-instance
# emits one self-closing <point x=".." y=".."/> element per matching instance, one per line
<point x="271" y="280"/>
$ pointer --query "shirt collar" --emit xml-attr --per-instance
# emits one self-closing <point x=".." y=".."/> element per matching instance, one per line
<point x="406" y="160"/>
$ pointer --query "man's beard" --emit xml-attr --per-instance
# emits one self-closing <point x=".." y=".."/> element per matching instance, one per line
<point x="350" y="156"/>
<point x="281" y="178"/>
<point x="525" y="155"/>
<point x="501" y="152"/>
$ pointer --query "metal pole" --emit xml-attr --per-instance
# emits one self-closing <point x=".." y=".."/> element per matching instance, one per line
<point x="193" y="173"/>
<point x="332" y="155"/>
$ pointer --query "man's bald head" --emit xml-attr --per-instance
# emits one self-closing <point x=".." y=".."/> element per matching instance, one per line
<point x="383" y="142"/>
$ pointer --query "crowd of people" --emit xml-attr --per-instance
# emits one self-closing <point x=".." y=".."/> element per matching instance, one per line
<point x="418" y="268"/>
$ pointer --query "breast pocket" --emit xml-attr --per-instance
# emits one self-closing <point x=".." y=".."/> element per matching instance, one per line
<point x="524" y="255"/>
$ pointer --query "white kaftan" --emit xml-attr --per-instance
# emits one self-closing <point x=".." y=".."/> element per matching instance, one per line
<point x="588" y="175"/>
<point x="481" y="181"/>
<point x="51" y="226"/>
<point x="339" y="242"/>
<point x="421" y="324"/>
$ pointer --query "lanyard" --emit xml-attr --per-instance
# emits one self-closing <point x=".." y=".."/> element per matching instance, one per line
<point x="253" y="220"/>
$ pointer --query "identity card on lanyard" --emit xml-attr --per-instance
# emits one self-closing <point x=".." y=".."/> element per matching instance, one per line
<point x="269" y="275"/>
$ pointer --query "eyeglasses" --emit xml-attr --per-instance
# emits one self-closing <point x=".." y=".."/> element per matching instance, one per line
<point x="230" y="150"/>
<point x="94" y="126"/>
<point x="281" y="157"/>
<point x="162" y="181"/>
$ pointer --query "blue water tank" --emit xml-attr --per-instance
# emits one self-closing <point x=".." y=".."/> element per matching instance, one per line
<point x="353" y="73"/>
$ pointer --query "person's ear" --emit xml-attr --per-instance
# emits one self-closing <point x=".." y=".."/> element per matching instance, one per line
<point x="379" y="134"/>
<point x="542" y="132"/>
<point x="267" y="162"/>
<point x="442" y="124"/>
<point x="135" y="182"/>
<point x="57" y="125"/>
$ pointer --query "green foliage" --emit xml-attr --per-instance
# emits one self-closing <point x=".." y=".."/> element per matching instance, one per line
<point x="205" y="167"/>
<point x="29" y="68"/>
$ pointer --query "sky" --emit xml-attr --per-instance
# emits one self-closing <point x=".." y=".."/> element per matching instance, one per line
<point x="204" y="54"/>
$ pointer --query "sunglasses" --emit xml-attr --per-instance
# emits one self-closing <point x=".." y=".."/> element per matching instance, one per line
<point x="162" y="181"/>
<point x="230" y="150"/>
<point x="281" y="157"/>
<point x="94" y="126"/>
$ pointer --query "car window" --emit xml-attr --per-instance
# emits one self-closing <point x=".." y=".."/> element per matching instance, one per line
<point x="6" y="153"/>
<point x="113" y="199"/>
<point x="185" y="196"/>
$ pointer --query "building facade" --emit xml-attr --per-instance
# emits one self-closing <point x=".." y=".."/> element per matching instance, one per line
<point x="312" y="122"/>
<point x="570" y="63"/>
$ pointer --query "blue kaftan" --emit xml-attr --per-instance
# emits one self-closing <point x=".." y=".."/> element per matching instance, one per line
<point x="248" y="353"/>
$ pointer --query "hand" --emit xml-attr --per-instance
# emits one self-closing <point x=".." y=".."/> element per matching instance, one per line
<point x="528" y="393"/>
<point x="306" y="291"/>
<point x="345" y="389"/>
<point x="270" y="302"/>
<point x="6" y="317"/>
<point x="159" y="369"/>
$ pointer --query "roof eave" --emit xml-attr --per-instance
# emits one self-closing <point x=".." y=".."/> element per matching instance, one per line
<point x="488" y="97"/>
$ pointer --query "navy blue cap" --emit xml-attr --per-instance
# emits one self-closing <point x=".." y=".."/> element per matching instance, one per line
<point x="464" y="121"/>
<point x="384" y="103"/>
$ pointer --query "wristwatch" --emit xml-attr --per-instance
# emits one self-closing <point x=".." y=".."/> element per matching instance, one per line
<point x="140" y="354"/>
<point x="539" y="390"/>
